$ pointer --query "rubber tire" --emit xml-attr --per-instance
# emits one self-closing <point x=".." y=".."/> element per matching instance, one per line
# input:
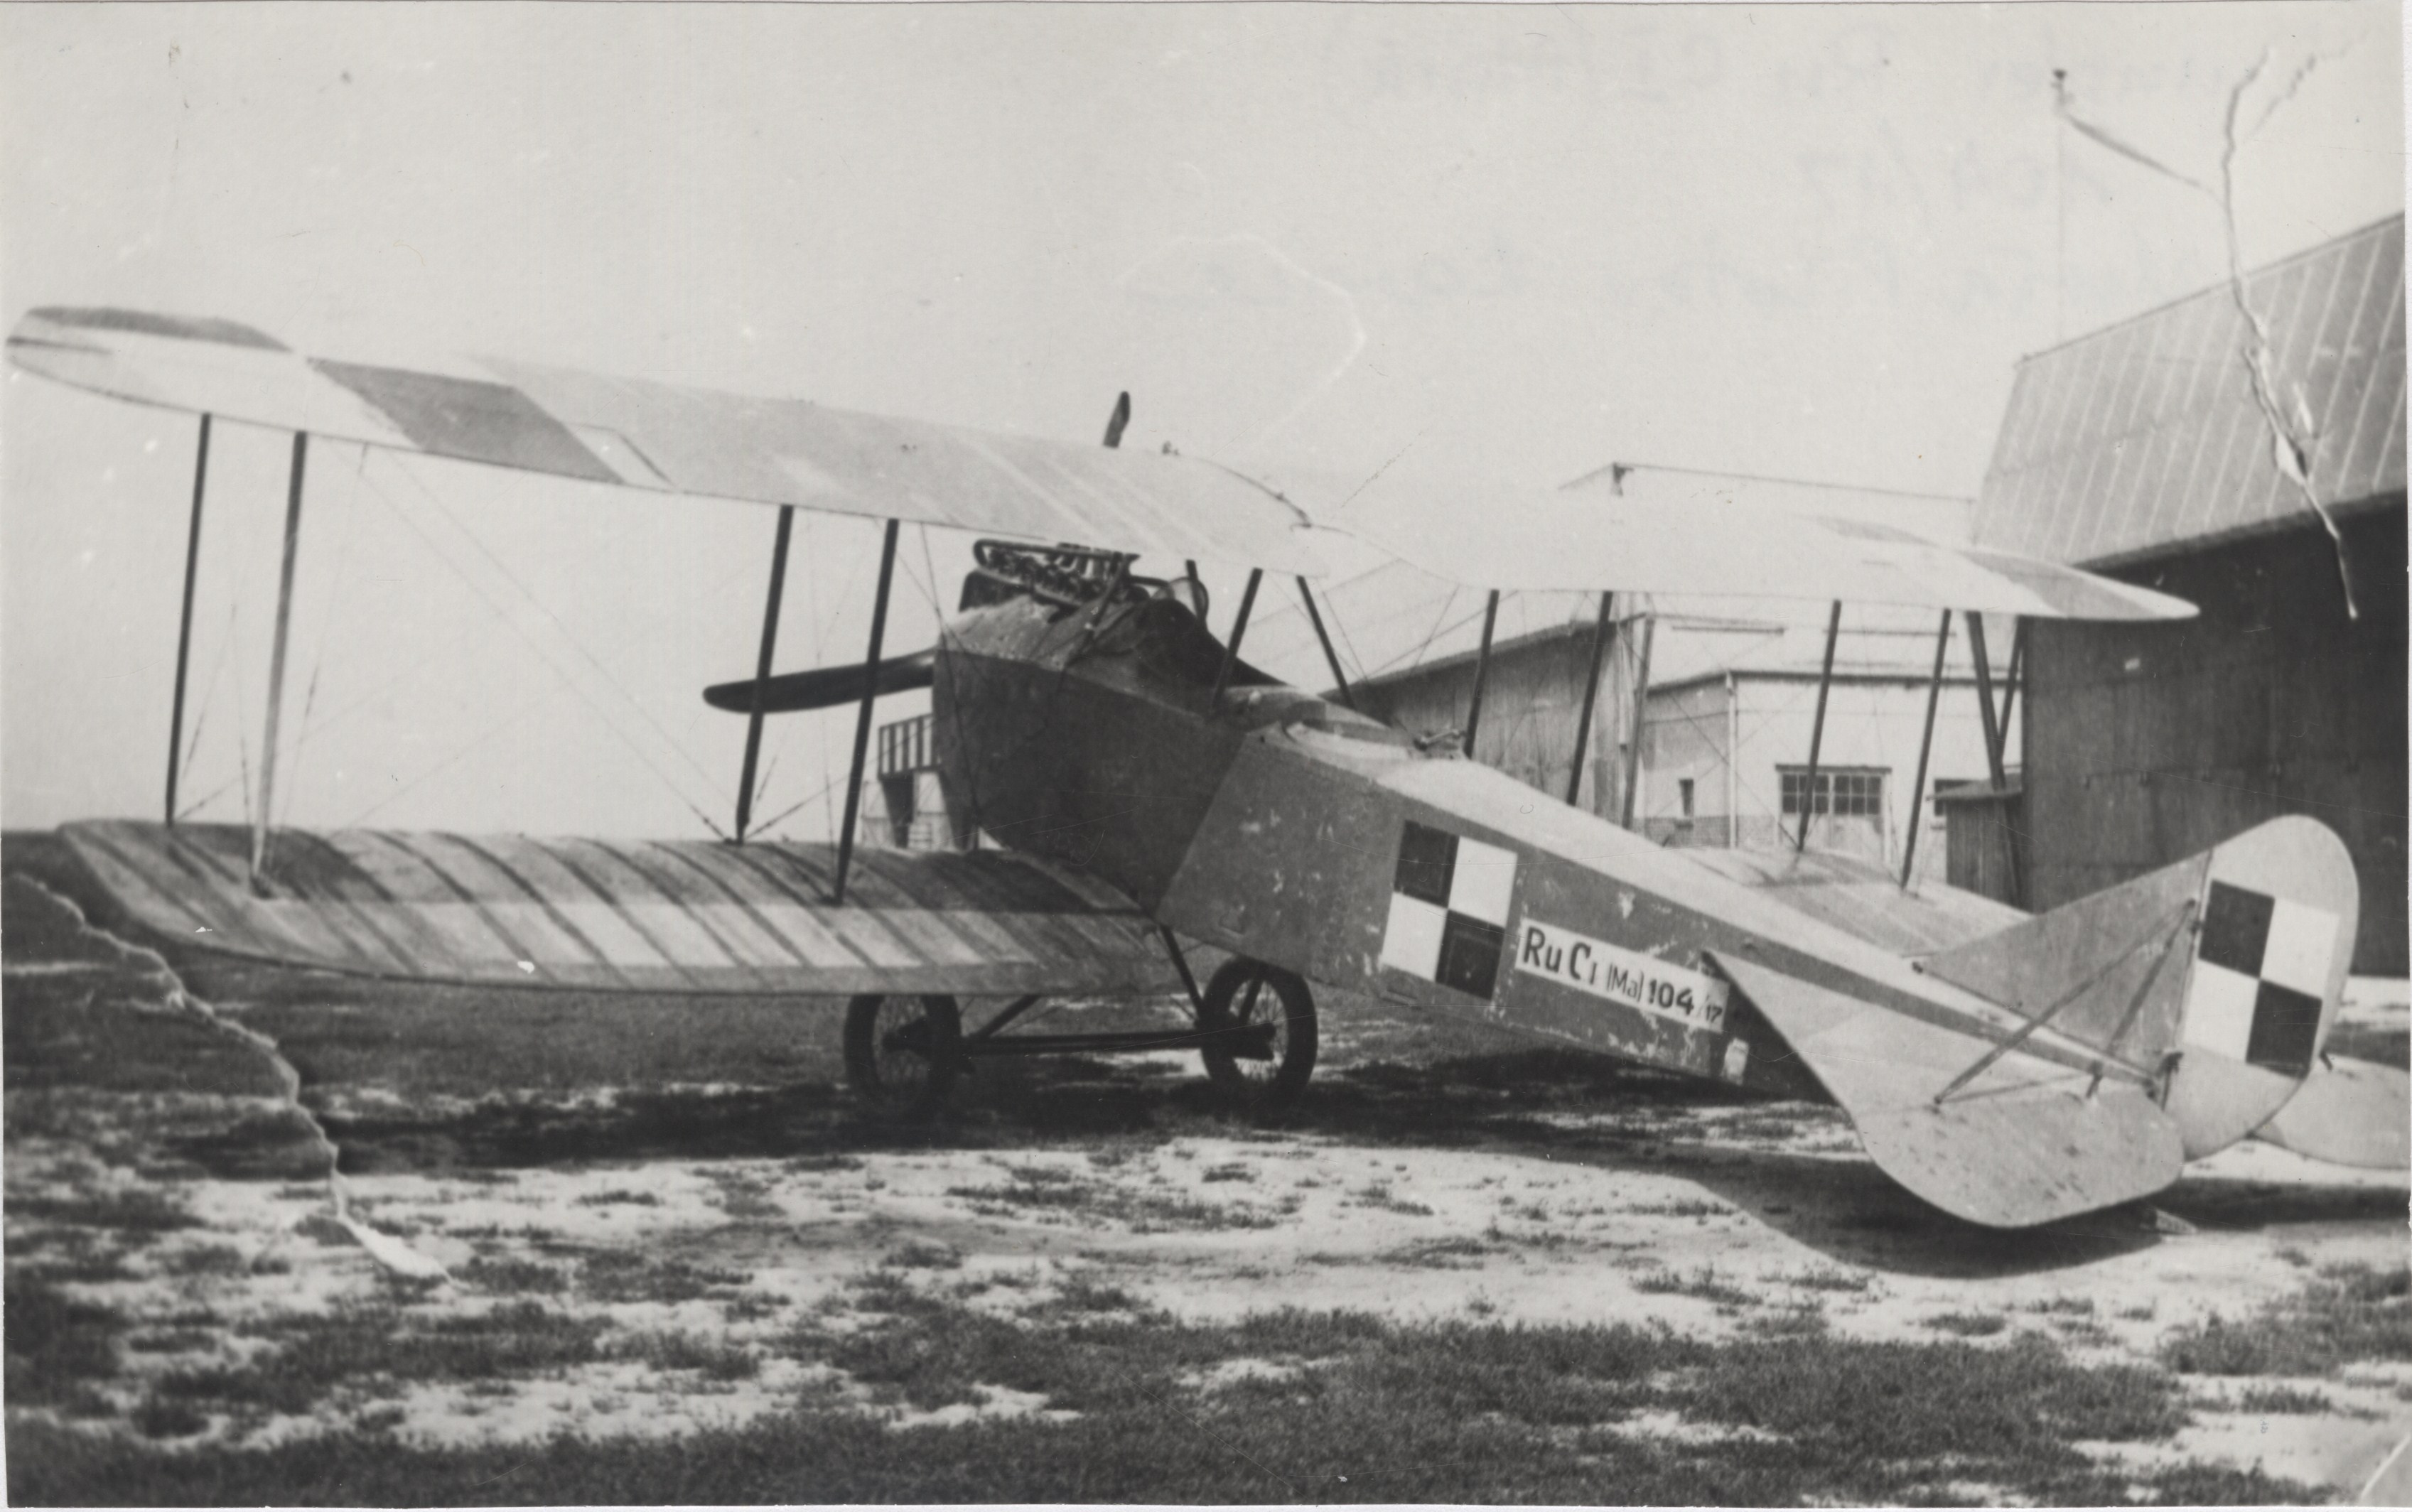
<point x="1254" y="1092"/>
<point x="862" y="1056"/>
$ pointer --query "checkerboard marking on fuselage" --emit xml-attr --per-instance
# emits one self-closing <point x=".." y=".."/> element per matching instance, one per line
<point x="1449" y="909"/>
<point x="2260" y="974"/>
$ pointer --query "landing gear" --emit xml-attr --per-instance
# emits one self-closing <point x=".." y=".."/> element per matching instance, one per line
<point x="901" y="1054"/>
<point x="1255" y="1030"/>
<point x="1258" y="1024"/>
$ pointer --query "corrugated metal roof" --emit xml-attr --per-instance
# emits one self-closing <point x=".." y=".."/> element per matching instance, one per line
<point x="2150" y="433"/>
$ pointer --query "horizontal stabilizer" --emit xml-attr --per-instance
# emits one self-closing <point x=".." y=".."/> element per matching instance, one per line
<point x="823" y="687"/>
<point x="2350" y="1112"/>
<point x="652" y="917"/>
<point x="2025" y="1141"/>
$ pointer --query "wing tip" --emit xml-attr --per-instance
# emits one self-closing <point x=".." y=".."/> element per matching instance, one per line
<point x="151" y="323"/>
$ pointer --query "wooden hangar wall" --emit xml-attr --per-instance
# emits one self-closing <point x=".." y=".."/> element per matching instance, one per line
<point x="2147" y="451"/>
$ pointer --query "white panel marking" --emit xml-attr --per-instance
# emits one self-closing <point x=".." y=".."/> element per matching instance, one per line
<point x="1411" y="941"/>
<point x="2302" y="948"/>
<point x="2219" y="1009"/>
<point x="1485" y="876"/>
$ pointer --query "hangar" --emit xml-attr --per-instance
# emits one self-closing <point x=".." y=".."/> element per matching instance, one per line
<point x="2244" y="449"/>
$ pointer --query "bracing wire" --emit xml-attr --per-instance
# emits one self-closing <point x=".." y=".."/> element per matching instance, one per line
<point x="502" y="615"/>
<point x="447" y="764"/>
<point x="201" y="714"/>
<point x="438" y="655"/>
<point x="575" y="644"/>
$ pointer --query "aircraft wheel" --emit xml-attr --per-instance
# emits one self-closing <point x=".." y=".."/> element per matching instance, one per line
<point x="901" y="1054"/>
<point x="1240" y="995"/>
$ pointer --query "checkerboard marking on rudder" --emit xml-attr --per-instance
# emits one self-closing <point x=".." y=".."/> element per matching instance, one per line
<point x="2260" y="974"/>
<point x="1449" y="909"/>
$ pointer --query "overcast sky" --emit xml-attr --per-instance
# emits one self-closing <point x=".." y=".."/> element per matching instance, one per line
<point x="1518" y="240"/>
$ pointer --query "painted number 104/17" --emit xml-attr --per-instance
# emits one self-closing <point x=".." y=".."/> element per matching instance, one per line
<point x="1619" y="975"/>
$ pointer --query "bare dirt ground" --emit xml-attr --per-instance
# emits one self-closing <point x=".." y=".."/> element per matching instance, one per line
<point x="583" y="1249"/>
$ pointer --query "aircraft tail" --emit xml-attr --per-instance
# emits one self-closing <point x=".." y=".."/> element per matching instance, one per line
<point x="2220" y="972"/>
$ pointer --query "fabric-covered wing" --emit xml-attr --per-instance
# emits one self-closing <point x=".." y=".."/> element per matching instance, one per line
<point x="693" y="441"/>
<point x="2025" y="1142"/>
<point x="1539" y="540"/>
<point x="657" y="916"/>
<point x="674" y="440"/>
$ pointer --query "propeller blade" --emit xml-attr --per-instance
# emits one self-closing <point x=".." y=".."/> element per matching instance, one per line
<point x="1121" y="418"/>
<point x="823" y="687"/>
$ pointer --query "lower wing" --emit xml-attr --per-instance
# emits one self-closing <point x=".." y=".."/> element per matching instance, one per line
<point x="652" y="917"/>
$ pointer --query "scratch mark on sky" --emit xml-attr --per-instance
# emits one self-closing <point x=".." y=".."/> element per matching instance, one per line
<point x="1347" y="303"/>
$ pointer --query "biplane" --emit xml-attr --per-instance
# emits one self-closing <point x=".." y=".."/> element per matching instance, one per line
<point x="1135" y="790"/>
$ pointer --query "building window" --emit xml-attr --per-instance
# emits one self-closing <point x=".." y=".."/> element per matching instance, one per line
<point x="1683" y="794"/>
<point x="1848" y="792"/>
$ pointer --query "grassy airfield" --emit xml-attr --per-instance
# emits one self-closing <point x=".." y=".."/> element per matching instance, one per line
<point x="677" y="1266"/>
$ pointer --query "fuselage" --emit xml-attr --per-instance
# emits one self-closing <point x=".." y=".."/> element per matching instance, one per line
<point x="1282" y="826"/>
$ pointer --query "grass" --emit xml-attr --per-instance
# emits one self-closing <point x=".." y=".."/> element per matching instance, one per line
<point x="1704" y="1283"/>
<point x="2284" y="1399"/>
<point x="1378" y="1195"/>
<point x="56" y="1346"/>
<point x="1459" y="1252"/>
<point x="2077" y="1307"/>
<point x="920" y="1257"/>
<point x="1454" y="1411"/>
<point x="134" y="1210"/>
<point x="820" y="1163"/>
<point x="1969" y="1325"/>
<point x="2346" y="1315"/>
<point x="512" y="1275"/>
<point x="1681" y="1208"/>
<point x="618" y="1276"/>
<point x="674" y="1351"/>
<point x="1051" y="1189"/>
<point x="377" y="1347"/>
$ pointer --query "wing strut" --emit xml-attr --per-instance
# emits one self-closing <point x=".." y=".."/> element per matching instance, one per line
<point x="1925" y="748"/>
<point x="762" y="668"/>
<point x="1640" y="712"/>
<point x="1993" y="754"/>
<point x="1238" y="628"/>
<point x="184" y="624"/>
<point x="1817" y="729"/>
<point x="276" y="662"/>
<point x="1330" y="657"/>
<point x="1599" y="635"/>
<point x="862" y="715"/>
<point x="1481" y="669"/>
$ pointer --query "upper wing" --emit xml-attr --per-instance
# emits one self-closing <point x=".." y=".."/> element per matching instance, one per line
<point x="1540" y="540"/>
<point x="678" y="917"/>
<point x="670" y="439"/>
